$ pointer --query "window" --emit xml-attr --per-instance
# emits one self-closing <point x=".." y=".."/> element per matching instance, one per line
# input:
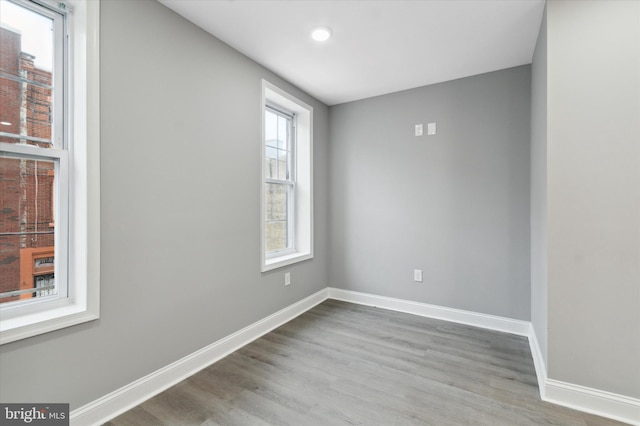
<point x="280" y="182"/>
<point x="49" y="178"/>
<point x="287" y="225"/>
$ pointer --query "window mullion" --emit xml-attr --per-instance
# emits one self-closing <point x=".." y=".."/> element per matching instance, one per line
<point x="291" y="173"/>
<point x="279" y="111"/>
<point x="279" y="182"/>
<point x="61" y="80"/>
<point x="30" y="151"/>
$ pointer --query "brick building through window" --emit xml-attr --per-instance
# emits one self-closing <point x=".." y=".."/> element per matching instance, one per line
<point x="26" y="185"/>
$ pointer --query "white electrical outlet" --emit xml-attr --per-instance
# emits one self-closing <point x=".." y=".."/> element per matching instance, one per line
<point x="419" y="130"/>
<point x="417" y="275"/>
<point x="431" y="129"/>
<point x="287" y="278"/>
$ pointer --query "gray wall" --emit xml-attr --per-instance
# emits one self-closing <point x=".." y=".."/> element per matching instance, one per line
<point x="455" y="205"/>
<point x="180" y="202"/>
<point x="180" y="211"/>
<point x="539" y="260"/>
<point x="593" y="175"/>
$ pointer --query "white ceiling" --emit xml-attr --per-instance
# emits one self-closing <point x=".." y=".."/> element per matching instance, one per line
<point x="377" y="46"/>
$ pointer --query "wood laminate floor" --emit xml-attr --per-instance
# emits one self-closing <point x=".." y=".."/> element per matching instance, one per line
<point x="346" y="364"/>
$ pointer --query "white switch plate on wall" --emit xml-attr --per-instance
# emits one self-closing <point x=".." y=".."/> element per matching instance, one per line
<point x="419" y="131"/>
<point x="417" y="275"/>
<point x="287" y="278"/>
<point x="431" y="129"/>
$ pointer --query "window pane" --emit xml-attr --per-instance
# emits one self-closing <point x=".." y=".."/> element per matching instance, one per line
<point x="26" y="55"/>
<point x="282" y="165"/>
<point x="276" y="236"/>
<point x="276" y="201"/>
<point x="25" y="119"/>
<point x="276" y="208"/>
<point x="26" y="228"/>
<point x="271" y="163"/>
<point x="271" y="128"/>
<point x="283" y="132"/>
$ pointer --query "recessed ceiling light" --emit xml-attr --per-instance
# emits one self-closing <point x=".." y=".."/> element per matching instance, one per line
<point x="321" y="33"/>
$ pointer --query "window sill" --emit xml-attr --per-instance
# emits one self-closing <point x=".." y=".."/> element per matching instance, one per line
<point x="23" y="326"/>
<point x="286" y="260"/>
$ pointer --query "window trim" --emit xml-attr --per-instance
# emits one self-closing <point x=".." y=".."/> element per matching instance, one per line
<point x="83" y="125"/>
<point x="272" y="96"/>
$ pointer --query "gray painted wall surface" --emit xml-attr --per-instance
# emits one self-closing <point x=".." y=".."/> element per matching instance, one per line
<point x="180" y="211"/>
<point x="539" y="259"/>
<point x="593" y="176"/>
<point x="180" y="202"/>
<point x="455" y="205"/>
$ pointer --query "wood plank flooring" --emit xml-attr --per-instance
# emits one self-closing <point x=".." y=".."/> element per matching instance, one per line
<point x="341" y="363"/>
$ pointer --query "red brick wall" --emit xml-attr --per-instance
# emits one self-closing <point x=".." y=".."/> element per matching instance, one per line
<point x="26" y="186"/>
<point x="9" y="90"/>
<point x="9" y="222"/>
<point x="38" y="103"/>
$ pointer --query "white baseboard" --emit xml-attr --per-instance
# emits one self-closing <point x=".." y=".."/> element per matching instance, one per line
<point x="594" y="401"/>
<point x="585" y="399"/>
<point x="582" y="398"/>
<point x="538" y="361"/>
<point x="601" y="403"/>
<point x="459" y="316"/>
<point x="127" y="397"/>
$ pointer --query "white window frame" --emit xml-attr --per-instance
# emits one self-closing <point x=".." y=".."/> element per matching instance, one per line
<point x="290" y="182"/>
<point x="82" y="199"/>
<point x="301" y="210"/>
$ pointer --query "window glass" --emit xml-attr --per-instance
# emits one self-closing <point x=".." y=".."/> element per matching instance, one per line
<point x="26" y="76"/>
<point x="27" y="228"/>
<point x="31" y="117"/>
<point x="276" y="219"/>
<point x="278" y="186"/>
